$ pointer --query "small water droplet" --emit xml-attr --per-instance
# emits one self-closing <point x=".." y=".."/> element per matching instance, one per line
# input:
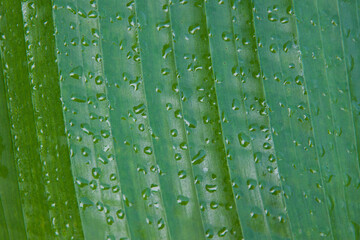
<point x="163" y="25"/>
<point x="194" y="28"/>
<point x="146" y="193"/>
<point x="211" y="188"/>
<point x="235" y="104"/>
<point x="148" y="150"/>
<point x="182" y="200"/>
<point x="182" y="174"/>
<point x="251" y="184"/>
<point x="244" y="139"/>
<point x="120" y="214"/>
<point x="139" y="108"/>
<point x="161" y="224"/>
<point x="275" y="190"/>
<point x="226" y="36"/>
<point x="173" y="132"/>
<point x="96" y="172"/>
<point x="92" y="14"/>
<point x="272" y="17"/>
<point x="199" y="157"/>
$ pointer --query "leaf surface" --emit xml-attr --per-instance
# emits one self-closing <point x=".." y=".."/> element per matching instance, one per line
<point x="185" y="119"/>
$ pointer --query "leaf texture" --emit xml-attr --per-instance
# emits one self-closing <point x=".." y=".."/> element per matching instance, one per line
<point x="184" y="119"/>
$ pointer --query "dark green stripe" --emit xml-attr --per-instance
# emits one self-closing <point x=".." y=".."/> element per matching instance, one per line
<point x="21" y="111"/>
<point x="177" y="181"/>
<point x="129" y="117"/>
<point x="245" y="123"/>
<point x="54" y="153"/>
<point x="289" y="116"/>
<point x="200" y="107"/>
<point x="9" y="187"/>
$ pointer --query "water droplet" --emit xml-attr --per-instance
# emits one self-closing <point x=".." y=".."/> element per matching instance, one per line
<point x="182" y="174"/>
<point x="105" y="133"/>
<point x="112" y="177"/>
<point x="272" y="17"/>
<point x="209" y="234"/>
<point x="162" y="25"/>
<point x="211" y="188"/>
<point x="182" y="200"/>
<point x="173" y="132"/>
<point x="92" y="14"/>
<point x="166" y="50"/>
<point x="146" y="193"/>
<point x="165" y="71"/>
<point x="81" y="182"/>
<point x="275" y="190"/>
<point x="85" y="151"/>
<point x="148" y="150"/>
<point x="79" y="99"/>
<point x="76" y="72"/>
<point x="177" y="156"/>
<point x="141" y="127"/>
<point x="139" y="108"/>
<point x="99" y="206"/>
<point x="226" y="36"/>
<point x="251" y="184"/>
<point x="284" y="20"/>
<point x="244" y="139"/>
<point x="98" y="80"/>
<point x="71" y="8"/>
<point x="120" y="214"/>
<point x="193" y="29"/>
<point x="199" y="157"/>
<point x="109" y="220"/>
<point x="235" y="104"/>
<point x="267" y="146"/>
<point x="96" y="172"/>
<point x="257" y="157"/>
<point x="273" y="48"/>
<point x="183" y="146"/>
<point x="85" y="203"/>
<point x="214" y="205"/>
<point x="222" y="232"/>
<point x="161" y="224"/>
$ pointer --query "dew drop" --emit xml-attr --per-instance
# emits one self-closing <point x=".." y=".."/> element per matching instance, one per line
<point x="193" y="29"/>
<point x="244" y="140"/>
<point x="211" y="188"/>
<point x="182" y="200"/>
<point x="199" y="157"/>
<point x="148" y="150"/>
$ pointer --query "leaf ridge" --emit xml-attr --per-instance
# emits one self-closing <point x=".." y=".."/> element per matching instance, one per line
<point x="300" y="129"/>
<point x="159" y="73"/>
<point x="218" y="113"/>
<point x="199" y="104"/>
<point x="348" y="81"/>
<point x="313" y="131"/>
<point x="127" y="228"/>
<point x="182" y="108"/>
<point x="267" y="118"/>
<point x="168" y="235"/>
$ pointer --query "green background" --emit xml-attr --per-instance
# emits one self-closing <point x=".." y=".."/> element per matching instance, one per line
<point x="181" y="119"/>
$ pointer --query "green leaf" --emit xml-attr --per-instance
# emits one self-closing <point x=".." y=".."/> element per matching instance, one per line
<point x="245" y="121"/>
<point x="184" y="119"/>
<point x="331" y="112"/>
<point x="40" y="150"/>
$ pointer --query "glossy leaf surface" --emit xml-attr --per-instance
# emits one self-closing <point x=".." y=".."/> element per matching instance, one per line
<point x="179" y="119"/>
